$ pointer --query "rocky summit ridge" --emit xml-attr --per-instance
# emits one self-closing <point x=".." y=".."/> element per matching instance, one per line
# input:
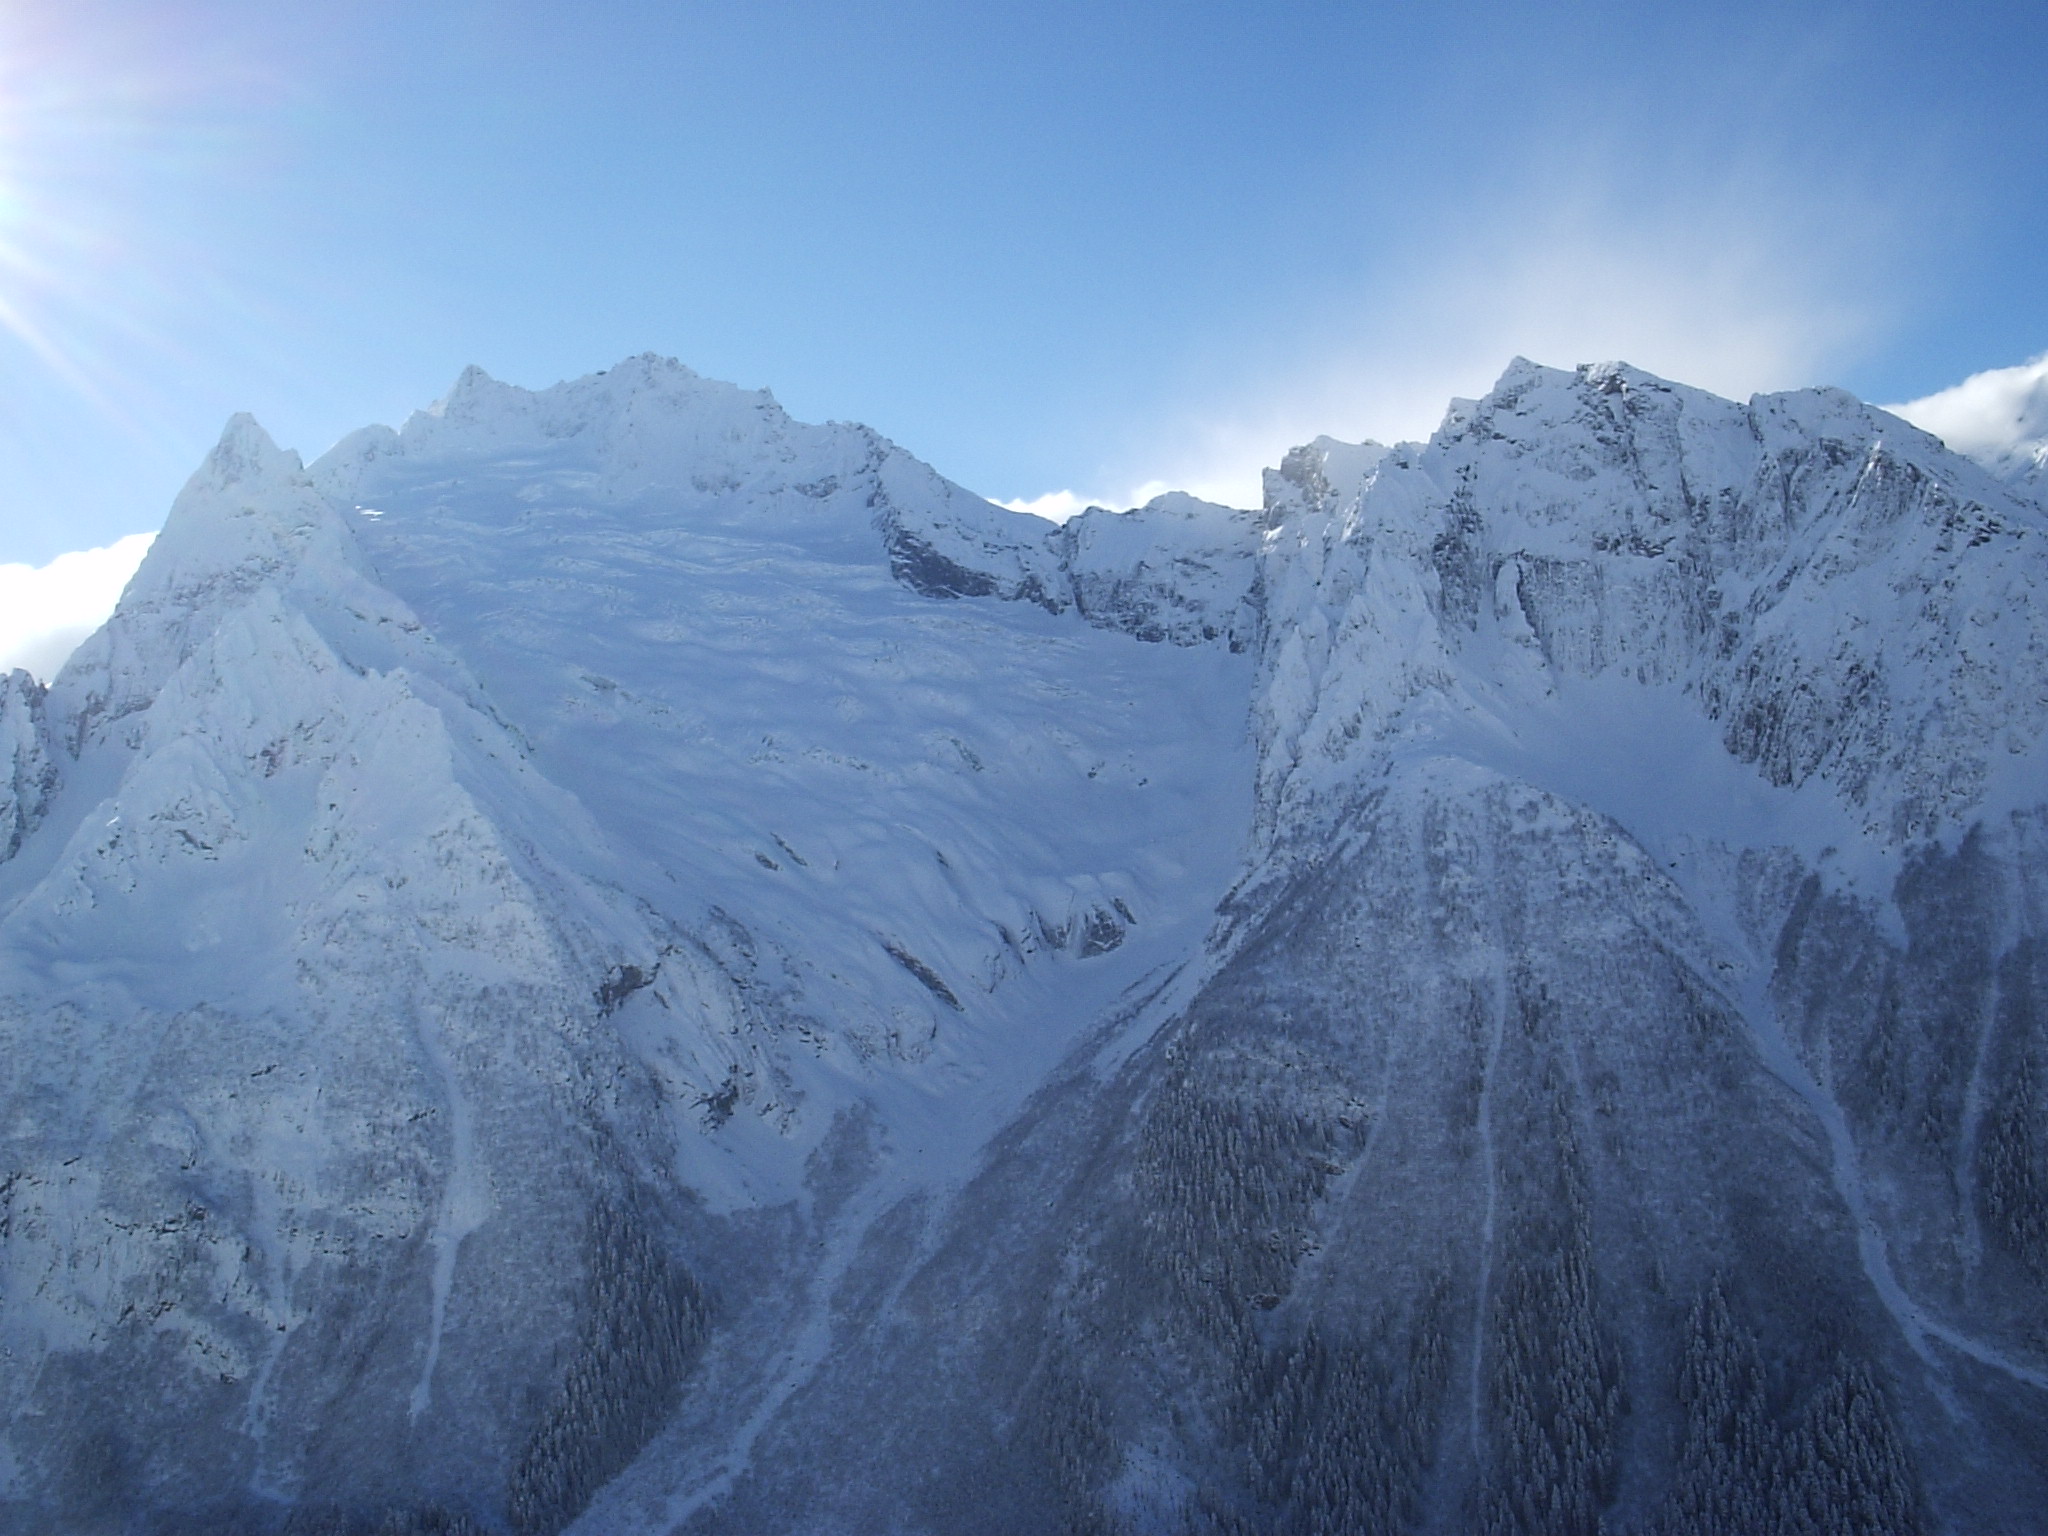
<point x="609" y="960"/>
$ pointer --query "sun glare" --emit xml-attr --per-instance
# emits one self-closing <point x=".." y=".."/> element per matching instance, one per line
<point x="94" y="136"/>
<point x="33" y="243"/>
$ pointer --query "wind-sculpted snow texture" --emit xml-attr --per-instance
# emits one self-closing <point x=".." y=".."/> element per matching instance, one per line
<point x="608" y="960"/>
<point x="463" y="885"/>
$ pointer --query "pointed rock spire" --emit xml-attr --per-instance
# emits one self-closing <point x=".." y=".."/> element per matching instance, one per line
<point x="249" y="518"/>
<point x="246" y="453"/>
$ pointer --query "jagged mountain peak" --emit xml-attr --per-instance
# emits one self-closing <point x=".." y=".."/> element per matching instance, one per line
<point x="659" y="451"/>
<point x="1573" y="524"/>
<point x="247" y="453"/>
<point x="1531" y="400"/>
<point x="1587" y="439"/>
<point x="1324" y="475"/>
<point x="249" y="500"/>
<point x="649" y="385"/>
<point x="651" y="431"/>
<point x="640" y="965"/>
<point x="249" y="521"/>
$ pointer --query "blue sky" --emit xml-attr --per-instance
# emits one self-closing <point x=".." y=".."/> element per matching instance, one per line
<point x="1045" y="246"/>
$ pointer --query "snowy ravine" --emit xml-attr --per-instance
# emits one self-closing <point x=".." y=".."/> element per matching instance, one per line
<point x="608" y="960"/>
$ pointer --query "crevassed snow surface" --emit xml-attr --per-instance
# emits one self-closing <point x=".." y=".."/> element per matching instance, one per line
<point x="919" y="825"/>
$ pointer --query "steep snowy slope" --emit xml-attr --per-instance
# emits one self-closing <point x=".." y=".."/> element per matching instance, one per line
<point x="457" y="874"/>
<point x="930" y="837"/>
<point x="1612" y="1099"/>
<point x="610" y="960"/>
<point x="309" y="1107"/>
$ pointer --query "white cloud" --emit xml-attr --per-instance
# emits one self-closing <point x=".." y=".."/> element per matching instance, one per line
<point x="1999" y="417"/>
<point x="45" y="611"/>
<point x="1058" y="506"/>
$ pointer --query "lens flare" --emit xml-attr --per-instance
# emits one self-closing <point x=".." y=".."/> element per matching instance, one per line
<point x="47" y="260"/>
<point x="114" y="123"/>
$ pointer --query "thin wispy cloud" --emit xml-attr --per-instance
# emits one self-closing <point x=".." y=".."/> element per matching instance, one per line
<point x="46" y="610"/>
<point x="1736" y="276"/>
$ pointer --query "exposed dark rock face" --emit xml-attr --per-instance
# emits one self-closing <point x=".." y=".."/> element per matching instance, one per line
<point x="923" y="569"/>
<point x="28" y="766"/>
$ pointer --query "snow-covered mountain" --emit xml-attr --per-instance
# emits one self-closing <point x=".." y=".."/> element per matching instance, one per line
<point x="611" y="960"/>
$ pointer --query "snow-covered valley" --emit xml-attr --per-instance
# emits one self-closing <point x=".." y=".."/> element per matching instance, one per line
<point x="609" y="960"/>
